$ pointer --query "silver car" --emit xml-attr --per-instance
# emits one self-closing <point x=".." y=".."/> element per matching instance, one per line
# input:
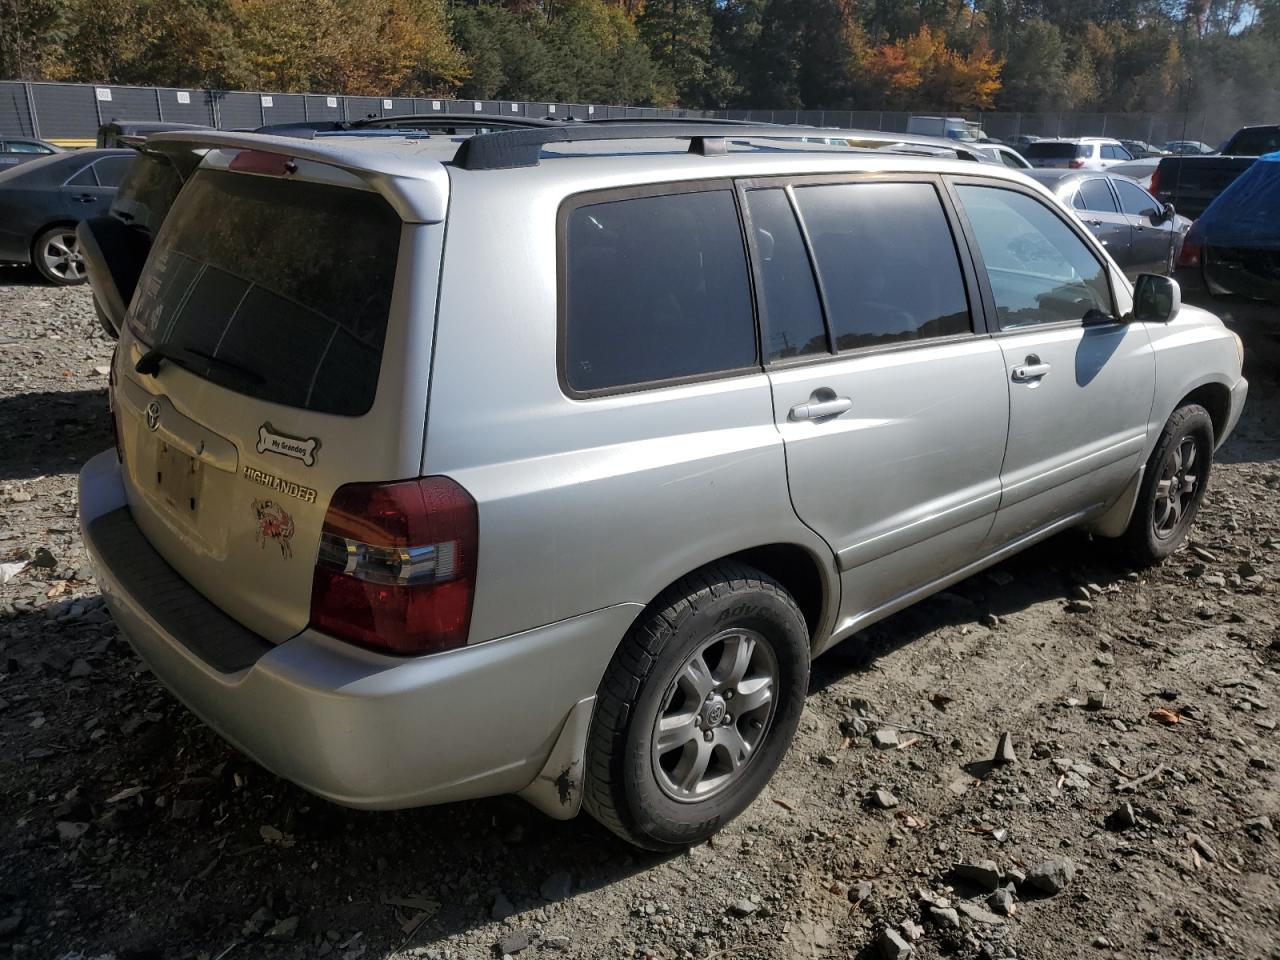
<point x="545" y="461"/>
<point x="1142" y="234"/>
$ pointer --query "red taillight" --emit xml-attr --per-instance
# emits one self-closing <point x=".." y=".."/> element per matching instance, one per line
<point x="259" y="161"/>
<point x="1189" y="255"/>
<point x="1076" y="164"/>
<point x="397" y="566"/>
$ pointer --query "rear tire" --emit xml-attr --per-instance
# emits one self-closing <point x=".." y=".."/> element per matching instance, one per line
<point x="697" y="708"/>
<point x="1173" y="485"/>
<point x="56" y="255"/>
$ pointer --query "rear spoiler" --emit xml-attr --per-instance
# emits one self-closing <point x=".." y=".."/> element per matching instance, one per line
<point x="416" y="187"/>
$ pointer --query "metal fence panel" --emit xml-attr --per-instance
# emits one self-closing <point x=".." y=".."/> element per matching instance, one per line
<point x="65" y="111"/>
<point x="186" y="106"/>
<point x="15" y="111"/>
<point x="283" y="107"/>
<point x="318" y="107"/>
<point x="240" y="111"/>
<point x="358" y="108"/>
<point x="129" y="103"/>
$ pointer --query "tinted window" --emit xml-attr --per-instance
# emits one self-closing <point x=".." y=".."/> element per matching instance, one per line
<point x="147" y="193"/>
<point x="287" y="283"/>
<point x="111" y="170"/>
<point x="1254" y="143"/>
<point x="1053" y="150"/>
<point x="1040" y="271"/>
<point x="656" y="289"/>
<point x="1135" y="200"/>
<point x="20" y="146"/>
<point x="1109" y="152"/>
<point x="84" y="178"/>
<point x="1097" y="196"/>
<point x="887" y="262"/>
<point x="792" y="314"/>
<point x="1010" y="160"/>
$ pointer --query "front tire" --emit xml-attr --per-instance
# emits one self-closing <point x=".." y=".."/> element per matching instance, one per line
<point x="697" y="708"/>
<point x="56" y="254"/>
<point x="1173" y="485"/>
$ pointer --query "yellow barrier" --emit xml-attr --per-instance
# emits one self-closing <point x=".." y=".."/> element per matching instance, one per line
<point x="74" y="144"/>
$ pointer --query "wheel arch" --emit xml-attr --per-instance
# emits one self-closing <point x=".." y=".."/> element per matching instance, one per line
<point x="1215" y="397"/>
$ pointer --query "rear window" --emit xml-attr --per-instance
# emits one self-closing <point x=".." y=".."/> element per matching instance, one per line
<point x="286" y="284"/>
<point x="1254" y="143"/>
<point x="656" y="290"/>
<point x="1053" y="150"/>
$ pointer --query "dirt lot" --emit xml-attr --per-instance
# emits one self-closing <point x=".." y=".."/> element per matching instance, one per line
<point x="127" y="830"/>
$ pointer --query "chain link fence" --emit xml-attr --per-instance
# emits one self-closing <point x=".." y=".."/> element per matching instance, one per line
<point x="70" y="113"/>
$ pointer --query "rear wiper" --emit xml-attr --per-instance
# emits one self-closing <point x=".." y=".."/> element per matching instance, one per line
<point x="149" y="363"/>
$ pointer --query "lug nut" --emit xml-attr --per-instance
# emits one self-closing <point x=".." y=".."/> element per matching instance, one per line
<point x="708" y="736"/>
<point x="728" y="694"/>
<point x="728" y="719"/>
<point x="697" y="720"/>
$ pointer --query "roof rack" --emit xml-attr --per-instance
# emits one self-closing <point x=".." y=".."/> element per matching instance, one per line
<point x="650" y="121"/>
<point x="309" y="129"/>
<point x="523" y="148"/>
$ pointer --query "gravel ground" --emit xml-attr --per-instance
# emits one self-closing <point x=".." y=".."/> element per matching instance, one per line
<point x="128" y="830"/>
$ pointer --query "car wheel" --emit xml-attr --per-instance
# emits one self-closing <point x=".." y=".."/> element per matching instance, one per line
<point x="1173" y="485"/>
<point x="56" y="254"/>
<point x="697" y="707"/>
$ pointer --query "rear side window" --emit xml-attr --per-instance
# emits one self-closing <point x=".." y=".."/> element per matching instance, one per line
<point x="887" y="262"/>
<point x="285" y="284"/>
<point x="655" y="290"/>
<point x="1097" y="196"/>
<point x="111" y="170"/>
<point x="793" y="324"/>
<point x="1134" y="200"/>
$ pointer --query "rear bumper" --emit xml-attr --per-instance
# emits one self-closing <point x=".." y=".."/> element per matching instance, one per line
<point x="356" y="727"/>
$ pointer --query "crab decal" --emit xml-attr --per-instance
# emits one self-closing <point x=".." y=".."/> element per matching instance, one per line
<point x="274" y="523"/>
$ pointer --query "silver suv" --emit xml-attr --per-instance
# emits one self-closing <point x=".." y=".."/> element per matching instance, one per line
<point x="545" y="461"/>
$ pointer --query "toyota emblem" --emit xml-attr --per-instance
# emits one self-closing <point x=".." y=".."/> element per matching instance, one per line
<point x="153" y="414"/>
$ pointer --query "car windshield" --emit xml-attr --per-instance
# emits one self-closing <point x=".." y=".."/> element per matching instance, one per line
<point x="1052" y="150"/>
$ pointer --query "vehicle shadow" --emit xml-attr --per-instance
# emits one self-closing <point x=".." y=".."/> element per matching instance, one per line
<point x="18" y="275"/>
<point x="1041" y="573"/>
<point x="52" y="432"/>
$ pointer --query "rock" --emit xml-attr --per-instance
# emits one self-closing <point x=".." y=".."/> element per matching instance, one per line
<point x="502" y="907"/>
<point x="1052" y="876"/>
<point x="1202" y="846"/>
<point x="11" y="923"/>
<point x="861" y="891"/>
<point x="513" y="943"/>
<point x="556" y="943"/>
<point x="1079" y="591"/>
<point x="1202" y="553"/>
<point x="977" y="914"/>
<point x="743" y="907"/>
<point x="944" y="917"/>
<point x="284" y="930"/>
<point x="911" y="930"/>
<point x="1079" y="606"/>
<point x="884" y="738"/>
<point x="1004" y="750"/>
<point x="79" y="668"/>
<point x="828" y="760"/>
<point x="1003" y="902"/>
<point x="1097" y="700"/>
<point x="71" y="830"/>
<point x="1103" y="659"/>
<point x="1015" y="876"/>
<point x="983" y="874"/>
<point x="558" y="886"/>
<point x="892" y="946"/>
<point x="255" y="923"/>
<point x="43" y="558"/>
<point x="1214" y="580"/>
<point x="1258" y="825"/>
<point x="1122" y="817"/>
<point x="991" y="621"/>
<point x="883" y="799"/>
<point x="1102" y="943"/>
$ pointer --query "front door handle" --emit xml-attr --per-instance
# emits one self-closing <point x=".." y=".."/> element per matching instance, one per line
<point x="1031" y="371"/>
<point x="86" y="198"/>
<point x="819" y="409"/>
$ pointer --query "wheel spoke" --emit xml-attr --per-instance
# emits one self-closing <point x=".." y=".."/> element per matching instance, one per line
<point x="735" y="746"/>
<point x="752" y="695"/>
<point x="693" y="765"/>
<point x="676" y="731"/>
<point x="1189" y="461"/>
<point x="696" y="679"/>
<point x="1162" y="521"/>
<point x="736" y="659"/>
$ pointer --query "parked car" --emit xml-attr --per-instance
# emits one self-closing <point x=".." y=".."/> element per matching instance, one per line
<point x="1234" y="248"/>
<point x="1082" y="153"/>
<point x="1005" y="155"/>
<point x="1022" y="139"/>
<point x="16" y="150"/>
<point x="42" y="201"/>
<point x="130" y="133"/>
<point x="1141" y="233"/>
<point x="1185" y="147"/>
<point x="1191" y="182"/>
<point x="1140" y="149"/>
<point x="718" y="409"/>
<point x="1139" y="170"/>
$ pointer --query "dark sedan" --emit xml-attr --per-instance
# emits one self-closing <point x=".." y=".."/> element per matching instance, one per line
<point x="42" y="201"/>
<point x="16" y="150"/>
<point x="1141" y="234"/>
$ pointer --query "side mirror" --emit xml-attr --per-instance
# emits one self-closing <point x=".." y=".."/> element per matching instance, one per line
<point x="114" y="254"/>
<point x="1156" y="299"/>
<point x="1167" y="213"/>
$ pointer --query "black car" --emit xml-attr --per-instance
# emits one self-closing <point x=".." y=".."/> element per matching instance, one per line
<point x="42" y="201"/>
<point x="16" y="150"/>
<point x="1142" y="234"/>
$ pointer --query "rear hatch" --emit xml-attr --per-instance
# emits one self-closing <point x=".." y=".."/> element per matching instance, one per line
<point x="267" y="360"/>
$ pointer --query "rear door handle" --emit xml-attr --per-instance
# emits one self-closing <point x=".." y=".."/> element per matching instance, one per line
<point x="86" y="198"/>
<point x="1030" y="372"/>
<point x="818" y="409"/>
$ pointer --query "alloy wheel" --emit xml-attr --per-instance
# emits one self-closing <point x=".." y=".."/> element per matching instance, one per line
<point x="61" y="255"/>
<point x="715" y="715"/>
<point x="1176" y="489"/>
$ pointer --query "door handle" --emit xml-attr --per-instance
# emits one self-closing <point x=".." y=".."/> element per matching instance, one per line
<point x="86" y="198"/>
<point x="1094" y="223"/>
<point x="1031" y="371"/>
<point x="819" y="409"/>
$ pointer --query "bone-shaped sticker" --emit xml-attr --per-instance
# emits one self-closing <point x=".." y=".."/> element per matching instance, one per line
<point x="296" y="447"/>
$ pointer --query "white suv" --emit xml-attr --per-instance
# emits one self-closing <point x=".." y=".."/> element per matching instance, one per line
<point x="1082" y="153"/>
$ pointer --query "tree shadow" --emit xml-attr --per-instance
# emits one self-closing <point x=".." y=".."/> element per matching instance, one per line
<point x="52" y="432"/>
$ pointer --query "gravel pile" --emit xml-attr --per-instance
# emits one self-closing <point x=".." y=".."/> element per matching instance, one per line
<point x="1062" y="757"/>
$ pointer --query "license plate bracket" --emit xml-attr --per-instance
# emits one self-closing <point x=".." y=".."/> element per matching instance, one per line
<point x="178" y="478"/>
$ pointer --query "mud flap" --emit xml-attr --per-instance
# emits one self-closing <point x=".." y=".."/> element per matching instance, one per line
<point x="1115" y="521"/>
<point x="557" y="789"/>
